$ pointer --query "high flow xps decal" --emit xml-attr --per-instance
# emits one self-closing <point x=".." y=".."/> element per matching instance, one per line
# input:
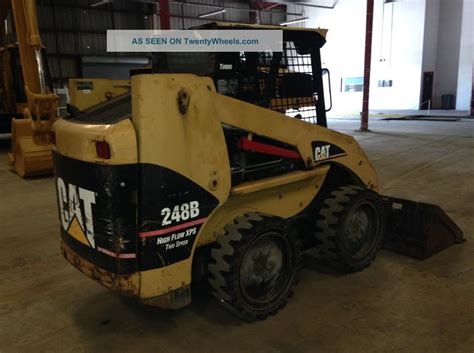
<point x="325" y="150"/>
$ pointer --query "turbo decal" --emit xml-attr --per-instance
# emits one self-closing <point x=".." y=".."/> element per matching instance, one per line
<point x="325" y="150"/>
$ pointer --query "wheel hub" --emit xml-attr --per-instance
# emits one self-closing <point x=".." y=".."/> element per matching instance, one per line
<point x="261" y="268"/>
<point x="358" y="229"/>
<point x="358" y="225"/>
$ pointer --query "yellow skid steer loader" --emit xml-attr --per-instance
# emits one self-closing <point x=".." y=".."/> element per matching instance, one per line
<point x="220" y="166"/>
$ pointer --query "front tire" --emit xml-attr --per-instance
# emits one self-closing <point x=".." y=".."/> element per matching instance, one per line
<point x="350" y="228"/>
<point x="254" y="266"/>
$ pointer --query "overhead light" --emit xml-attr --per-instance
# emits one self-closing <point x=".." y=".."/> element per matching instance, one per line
<point x="212" y="13"/>
<point x="97" y="4"/>
<point x="298" y="20"/>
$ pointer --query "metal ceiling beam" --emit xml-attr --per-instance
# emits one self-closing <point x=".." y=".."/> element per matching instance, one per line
<point x="190" y="3"/>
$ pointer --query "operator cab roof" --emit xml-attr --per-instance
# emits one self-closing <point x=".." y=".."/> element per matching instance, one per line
<point x="233" y="25"/>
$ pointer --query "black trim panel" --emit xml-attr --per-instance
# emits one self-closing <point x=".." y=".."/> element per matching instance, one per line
<point x="114" y="242"/>
<point x="170" y="209"/>
<point x="173" y="209"/>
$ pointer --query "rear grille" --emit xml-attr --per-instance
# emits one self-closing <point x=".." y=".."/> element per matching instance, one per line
<point x="111" y="112"/>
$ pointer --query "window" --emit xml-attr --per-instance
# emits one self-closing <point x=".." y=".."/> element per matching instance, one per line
<point x="353" y="84"/>
<point x="385" y="83"/>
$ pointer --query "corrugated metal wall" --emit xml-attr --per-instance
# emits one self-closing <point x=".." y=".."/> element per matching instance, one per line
<point x="72" y="29"/>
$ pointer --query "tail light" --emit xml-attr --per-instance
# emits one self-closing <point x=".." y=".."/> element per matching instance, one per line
<point x="103" y="149"/>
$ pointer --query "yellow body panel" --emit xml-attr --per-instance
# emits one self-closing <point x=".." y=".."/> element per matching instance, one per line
<point x="270" y="183"/>
<point x="187" y="144"/>
<point x="161" y="281"/>
<point x="284" y="200"/>
<point x="80" y="143"/>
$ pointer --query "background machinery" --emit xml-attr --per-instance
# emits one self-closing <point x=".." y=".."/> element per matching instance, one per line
<point x="28" y="105"/>
<point x="31" y="134"/>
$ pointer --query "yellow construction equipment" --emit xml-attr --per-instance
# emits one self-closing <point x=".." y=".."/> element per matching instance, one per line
<point x="220" y="167"/>
<point x="32" y="134"/>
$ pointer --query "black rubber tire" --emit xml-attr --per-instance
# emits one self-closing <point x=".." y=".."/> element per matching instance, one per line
<point x="228" y="259"/>
<point x="333" y="228"/>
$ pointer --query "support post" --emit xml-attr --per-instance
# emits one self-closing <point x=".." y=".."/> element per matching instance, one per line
<point x="364" y="119"/>
<point x="253" y="13"/>
<point x="472" y="94"/>
<point x="165" y="22"/>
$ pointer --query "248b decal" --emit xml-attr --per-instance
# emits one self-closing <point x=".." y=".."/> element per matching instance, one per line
<point x="180" y="213"/>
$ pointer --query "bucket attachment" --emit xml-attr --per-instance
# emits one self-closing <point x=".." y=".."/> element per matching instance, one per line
<point x="31" y="151"/>
<point x="418" y="229"/>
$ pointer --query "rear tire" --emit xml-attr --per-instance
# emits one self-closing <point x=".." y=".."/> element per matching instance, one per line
<point x="254" y="266"/>
<point x="350" y="228"/>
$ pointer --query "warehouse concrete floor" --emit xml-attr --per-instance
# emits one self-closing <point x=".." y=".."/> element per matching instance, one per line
<point x="397" y="305"/>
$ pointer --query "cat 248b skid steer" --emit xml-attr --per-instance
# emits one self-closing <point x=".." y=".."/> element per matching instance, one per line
<point x="220" y="166"/>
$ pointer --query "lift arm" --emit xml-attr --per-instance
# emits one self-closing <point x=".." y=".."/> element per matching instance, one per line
<point x="41" y="101"/>
<point x="32" y="135"/>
